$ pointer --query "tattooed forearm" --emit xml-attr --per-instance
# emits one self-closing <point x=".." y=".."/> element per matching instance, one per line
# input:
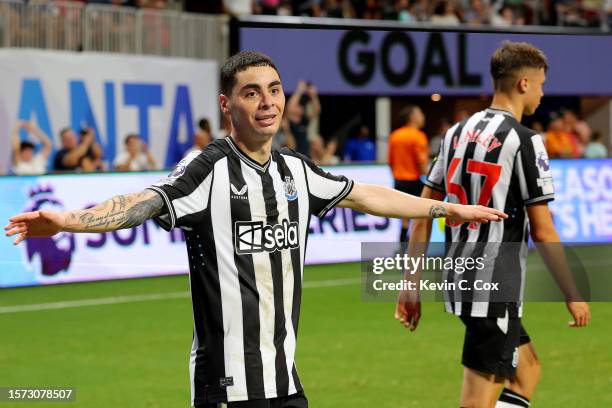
<point x="123" y="211"/>
<point x="437" y="211"/>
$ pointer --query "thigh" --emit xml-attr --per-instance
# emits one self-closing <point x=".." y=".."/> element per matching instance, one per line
<point x="491" y="345"/>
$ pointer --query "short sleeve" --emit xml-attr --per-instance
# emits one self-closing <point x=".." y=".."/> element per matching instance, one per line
<point x="325" y="190"/>
<point x="185" y="191"/>
<point x="435" y="178"/>
<point x="533" y="171"/>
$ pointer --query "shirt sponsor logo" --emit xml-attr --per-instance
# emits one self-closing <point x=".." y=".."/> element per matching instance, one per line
<point x="253" y="236"/>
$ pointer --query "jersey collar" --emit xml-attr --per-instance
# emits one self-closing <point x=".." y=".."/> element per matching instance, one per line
<point x="500" y="111"/>
<point x="246" y="159"/>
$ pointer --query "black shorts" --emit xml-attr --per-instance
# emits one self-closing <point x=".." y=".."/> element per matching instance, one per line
<point x="491" y="344"/>
<point x="413" y="187"/>
<point x="292" y="401"/>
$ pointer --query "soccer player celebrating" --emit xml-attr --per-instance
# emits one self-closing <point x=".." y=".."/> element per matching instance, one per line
<point x="245" y="211"/>
<point x="491" y="159"/>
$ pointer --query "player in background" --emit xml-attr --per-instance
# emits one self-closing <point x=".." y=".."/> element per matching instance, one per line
<point x="491" y="159"/>
<point x="408" y="151"/>
<point x="245" y="294"/>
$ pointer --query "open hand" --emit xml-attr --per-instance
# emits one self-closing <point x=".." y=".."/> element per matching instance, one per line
<point x="34" y="224"/>
<point x="474" y="213"/>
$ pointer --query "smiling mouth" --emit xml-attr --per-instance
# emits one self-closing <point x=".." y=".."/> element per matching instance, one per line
<point x="265" y="117"/>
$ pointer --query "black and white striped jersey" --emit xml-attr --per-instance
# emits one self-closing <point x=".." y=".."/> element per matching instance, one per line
<point x="492" y="160"/>
<point x="246" y="229"/>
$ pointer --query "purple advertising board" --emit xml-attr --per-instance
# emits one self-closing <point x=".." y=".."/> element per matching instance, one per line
<point x="360" y="61"/>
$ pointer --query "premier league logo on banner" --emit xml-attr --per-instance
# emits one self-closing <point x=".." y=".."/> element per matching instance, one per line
<point x="54" y="254"/>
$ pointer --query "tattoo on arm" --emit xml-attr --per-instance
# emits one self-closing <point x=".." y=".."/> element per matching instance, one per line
<point x="437" y="211"/>
<point x="122" y="211"/>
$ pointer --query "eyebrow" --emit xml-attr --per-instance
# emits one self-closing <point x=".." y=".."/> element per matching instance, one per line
<point x="257" y="86"/>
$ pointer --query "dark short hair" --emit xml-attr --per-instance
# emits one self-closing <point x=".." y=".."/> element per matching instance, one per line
<point x="508" y="59"/>
<point x="204" y="124"/>
<point x="240" y="62"/>
<point x="25" y="145"/>
<point x="129" y="137"/>
<point x="64" y="130"/>
<point x="407" y="112"/>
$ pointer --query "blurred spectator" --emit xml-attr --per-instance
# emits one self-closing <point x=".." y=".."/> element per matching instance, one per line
<point x="283" y="138"/>
<point x="226" y="128"/>
<point x="268" y="7"/>
<point x="578" y="128"/>
<point x="434" y="142"/>
<point x="373" y="10"/>
<point x="202" y="136"/>
<point x="538" y="127"/>
<point x="503" y="18"/>
<point x="360" y="148"/>
<point x="299" y="117"/>
<point x="24" y="160"/>
<point x="70" y="156"/>
<point x="323" y="154"/>
<point x="596" y="149"/>
<point x="444" y="14"/>
<point x="206" y="6"/>
<point x="403" y="11"/>
<point x="560" y="142"/>
<point x="238" y="8"/>
<point x="135" y="157"/>
<point x="420" y="10"/>
<point x="127" y="3"/>
<point x="408" y="153"/>
<point x="92" y="161"/>
<point x="152" y="4"/>
<point x="479" y="13"/>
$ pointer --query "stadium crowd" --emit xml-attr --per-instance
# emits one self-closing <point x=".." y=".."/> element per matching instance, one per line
<point x="502" y="13"/>
<point x="566" y="136"/>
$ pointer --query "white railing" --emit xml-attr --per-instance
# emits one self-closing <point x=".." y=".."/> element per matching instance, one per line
<point x="74" y="26"/>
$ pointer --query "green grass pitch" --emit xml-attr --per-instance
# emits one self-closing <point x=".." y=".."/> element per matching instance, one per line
<point x="350" y="353"/>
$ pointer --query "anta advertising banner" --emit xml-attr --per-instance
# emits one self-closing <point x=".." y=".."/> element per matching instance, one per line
<point x="395" y="61"/>
<point x="158" y="98"/>
<point x="582" y="212"/>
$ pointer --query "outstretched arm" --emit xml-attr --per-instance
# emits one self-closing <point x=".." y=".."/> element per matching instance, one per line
<point x="122" y="211"/>
<point x="386" y="202"/>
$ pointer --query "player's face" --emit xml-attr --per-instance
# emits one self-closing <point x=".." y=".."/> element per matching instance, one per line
<point x="256" y="104"/>
<point x="535" y="79"/>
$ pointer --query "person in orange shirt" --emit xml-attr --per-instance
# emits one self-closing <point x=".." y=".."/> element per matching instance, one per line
<point x="559" y="142"/>
<point x="408" y="151"/>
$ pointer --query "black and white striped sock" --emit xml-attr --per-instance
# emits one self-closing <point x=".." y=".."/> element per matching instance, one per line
<point x="510" y="399"/>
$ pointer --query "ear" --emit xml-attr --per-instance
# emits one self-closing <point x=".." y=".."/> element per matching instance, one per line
<point x="523" y="84"/>
<point x="224" y="102"/>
